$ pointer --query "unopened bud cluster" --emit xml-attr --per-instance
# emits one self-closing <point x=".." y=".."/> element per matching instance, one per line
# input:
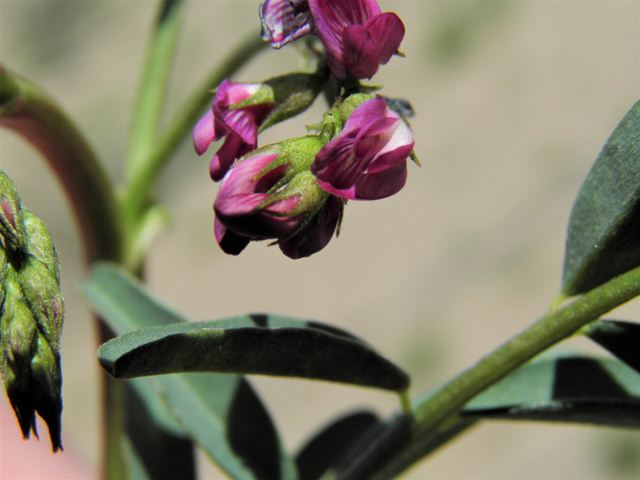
<point x="294" y="192"/>
<point x="31" y="315"/>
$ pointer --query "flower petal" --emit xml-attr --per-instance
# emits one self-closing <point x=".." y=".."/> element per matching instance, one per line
<point x="387" y="31"/>
<point x="203" y="133"/>
<point x="316" y="234"/>
<point x="283" y="22"/>
<point x="380" y="185"/>
<point x="225" y="156"/>
<point x="230" y="242"/>
<point x="360" y="52"/>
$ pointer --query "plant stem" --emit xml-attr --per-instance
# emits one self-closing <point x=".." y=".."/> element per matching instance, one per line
<point x="30" y="112"/>
<point x="140" y="181"/>
<point x="439" y="410"/>
<point x="150" y="103"/>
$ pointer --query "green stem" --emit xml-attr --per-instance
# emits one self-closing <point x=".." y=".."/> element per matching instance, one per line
<point x="30" y="112"/>
<point x="140" y="181"/>
<point x="436" y="412"/>
<point x="150" y="103"/>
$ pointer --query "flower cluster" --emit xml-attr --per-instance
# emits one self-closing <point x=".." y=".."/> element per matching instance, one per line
<point x="293" y="192"/>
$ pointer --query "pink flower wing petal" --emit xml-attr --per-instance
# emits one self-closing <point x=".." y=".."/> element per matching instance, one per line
<point x="360" y="52"/>
<point x="387" y="31"/>
<point x="203" y="133"/>
<point x="381" y="185"/>
<point x="224" y="157"/>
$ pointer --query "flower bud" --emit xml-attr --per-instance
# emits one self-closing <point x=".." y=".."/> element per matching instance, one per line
<point x="19" y="334"/>
<point x="42" y="294"/>
<point x="31" y="365"/>
<point x="272" y="194"/>
<point x="242" y="110"/>
<point x="39" y="243"/>
<point x="11" y="223"/>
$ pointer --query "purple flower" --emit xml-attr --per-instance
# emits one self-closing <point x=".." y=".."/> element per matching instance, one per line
<point x="368" y="159"/>
<point x="268" y="196"/>
<point x="284" y="21"/>
<point x="357" y="36"/>
<point x="238" y="125"/>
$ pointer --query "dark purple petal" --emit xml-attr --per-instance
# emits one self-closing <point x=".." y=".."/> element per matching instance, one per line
<point x="360" y="52"/>
<point x="387" y="31"/>
<point x="230" y="242"/>
<point x="316" y="234"/>
<point x="283" y="22"/>
<point x="203" y="133"/>
<point x="380" y="185"/>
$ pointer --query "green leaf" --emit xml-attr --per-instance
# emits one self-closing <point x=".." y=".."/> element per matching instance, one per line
<point x="327" y="449"/>
<point x="253" y="344"/>
<point x="221" y="413"/>
<point x="621" y="338"/>
<point x="603" y="239"/>
<point x="565" y="389"/>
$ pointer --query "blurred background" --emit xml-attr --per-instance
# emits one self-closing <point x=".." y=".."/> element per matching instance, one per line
<point x="513" y="102"/>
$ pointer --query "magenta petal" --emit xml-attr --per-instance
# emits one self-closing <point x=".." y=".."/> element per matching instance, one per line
<point x="386" y="160"/>
<point x="316" y="234"/>
<point x="360" y="52"/>
<point x="347" y="192"/>
<point x="203" y="133"/>
<point x="225" y="156"/>
<point x="240" y="180"/>
<point x="243" y="123"/>
<point x="365" y="112"/>
<point x="387" y="31"/>
<point x="230" y="242"/>
<point x="236" y="205"/>
<point x="381" y="185"/>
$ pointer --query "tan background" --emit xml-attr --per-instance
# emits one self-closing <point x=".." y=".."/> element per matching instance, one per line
<point x="513" y="99"/>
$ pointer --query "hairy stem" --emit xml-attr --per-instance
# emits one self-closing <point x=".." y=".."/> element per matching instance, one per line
<point x="439" y="411"/>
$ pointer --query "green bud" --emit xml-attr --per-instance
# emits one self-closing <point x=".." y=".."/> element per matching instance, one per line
<point x="39" y="243"/>
<point x="19" y="333"/>
<point x="42" y="294"/>
<point x="11" y="223"/>
<point x="351" y="103"/>
<point x="297" y="153"/>
<point x="305" y="186"/>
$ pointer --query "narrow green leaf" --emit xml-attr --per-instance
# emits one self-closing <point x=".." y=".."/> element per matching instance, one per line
<point x="565" y="389"/>
<point x="221" y="413"/>
<point x="621" y="338"/>
<point x="327" y="449"/>
<point x="603" y="238"/>
<point x="118" y="297"/>
<point x="282" y="347"/>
